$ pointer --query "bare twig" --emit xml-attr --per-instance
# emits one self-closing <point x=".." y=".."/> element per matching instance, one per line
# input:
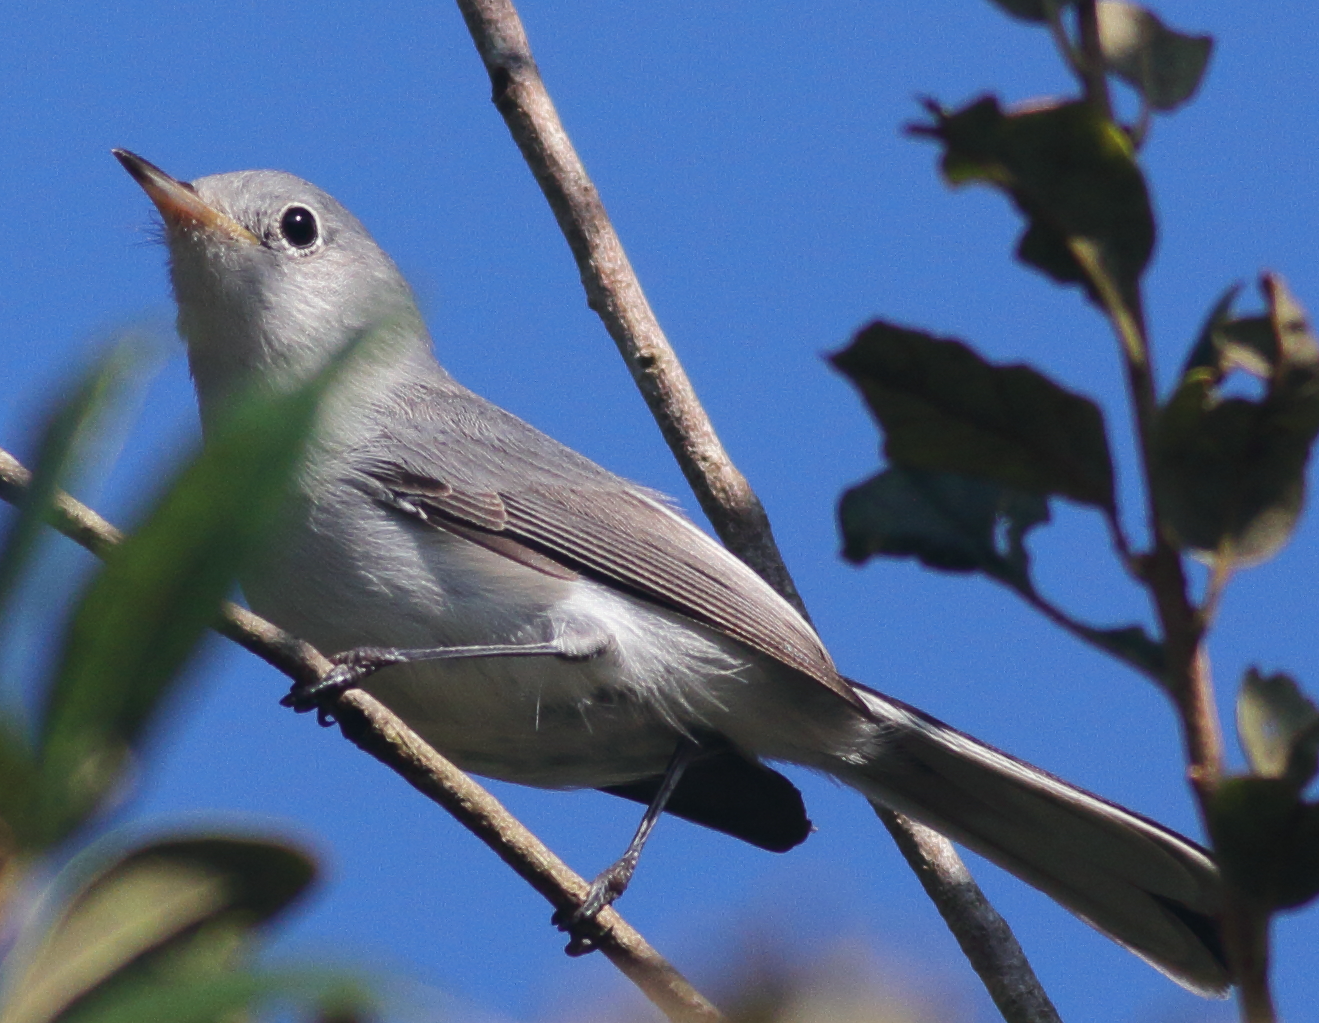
<point x="375" y="729"/>
<point x="984" y="936"/>
<point x="372" y="727"/>
<point x="613" y="291"/>
<point x="75" y="520"/>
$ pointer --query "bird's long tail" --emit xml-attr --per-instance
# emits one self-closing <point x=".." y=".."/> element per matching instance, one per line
<point x="1147" y="888"/>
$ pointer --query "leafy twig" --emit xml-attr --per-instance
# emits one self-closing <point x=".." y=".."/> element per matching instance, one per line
<point x="1187" y="677"/>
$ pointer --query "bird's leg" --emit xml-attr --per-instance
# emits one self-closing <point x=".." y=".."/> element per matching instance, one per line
<point x="353" y="667"/>
<point x="613" y="880"/>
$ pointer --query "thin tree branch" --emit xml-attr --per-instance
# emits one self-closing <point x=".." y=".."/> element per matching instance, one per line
<point x="613" y="291"/>
<point x="1086" y="633"/>
<point x="375" y="729"/>
<point x="984" y="936"/>
<point x="1093" y="72"/>
<point x="1188" y="677"/>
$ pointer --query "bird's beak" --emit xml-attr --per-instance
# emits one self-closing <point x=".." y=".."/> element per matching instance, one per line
<point x="178" y="201"/>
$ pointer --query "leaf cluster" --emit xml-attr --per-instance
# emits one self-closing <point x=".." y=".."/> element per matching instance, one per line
<point x="1265" y="832"/>
<point x="162" y="930"/>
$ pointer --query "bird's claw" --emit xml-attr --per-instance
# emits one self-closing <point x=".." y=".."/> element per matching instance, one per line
<point x="581" y="922"/>
<point x="350" y="668"/>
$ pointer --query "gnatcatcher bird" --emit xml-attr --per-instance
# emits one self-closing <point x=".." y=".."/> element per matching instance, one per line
<point x="540" y="620"/>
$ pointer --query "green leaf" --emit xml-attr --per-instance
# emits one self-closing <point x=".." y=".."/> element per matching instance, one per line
<point x="1070" y="171"/>
<point x="170" y="913"/>
<point x="324" y="994"/>
<point x="949" y="522"/>
<point x="18" y="783"/>
<point x="1266" y="840"/>
<point x="946" y="409"/>
<point x="1230" y="472"/>
<point x="66" y="432"/>
<point x="1279" y="728"/>
<point x="1164" y="66"/>
<point x="1032" y="10"/>
<point x="147" y="608"/>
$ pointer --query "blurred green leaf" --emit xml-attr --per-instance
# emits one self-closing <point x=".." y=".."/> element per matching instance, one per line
<point x="1298" y="352"/>
<point x="1230" y="480"/>
<point x="323" y="994"/>
<point x="1227" y="343"/>
<point x="18" y="786"/>
<point x="1279" y="728"/>
<point x="1230" y="472"/>
<point x="65" y="434"/>
<point x="949" y="522"/>
<point x="147" y="608"/>
<point x="1032" y="10"/>
<point x="1266" y="840"/>
<point x="1070" y="171"/>
<point x="1164" y="66"/>
<point x="157" y="919"/>
<point x="944" y="408"/>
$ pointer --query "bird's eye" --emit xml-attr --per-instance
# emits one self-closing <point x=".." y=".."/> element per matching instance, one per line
<point x="299" y="228"/>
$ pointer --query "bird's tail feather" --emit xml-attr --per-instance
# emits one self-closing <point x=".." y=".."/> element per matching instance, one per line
<point x="1148" y="888"/>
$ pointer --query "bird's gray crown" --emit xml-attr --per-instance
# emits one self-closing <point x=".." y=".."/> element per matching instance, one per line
<point x="275" y="309"/>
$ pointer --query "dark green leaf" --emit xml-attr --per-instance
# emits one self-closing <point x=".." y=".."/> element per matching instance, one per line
<point x="1164" y="66"/>
<point x="1266" y="840"/>
<point x="1032" y="10"/>
<point x="949" y="522"/>
<point x="170" y="913"/>
<point x="1279" y="728"/>
<point x="147" y="608"/>
<point x="944" y="408"/>
<point x="1230" y="472"/>
<point x="1070" y="171"/>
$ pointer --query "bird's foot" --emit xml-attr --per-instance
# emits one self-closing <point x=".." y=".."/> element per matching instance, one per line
<point x="351" y="669"/>
<point x="581" y="922"/>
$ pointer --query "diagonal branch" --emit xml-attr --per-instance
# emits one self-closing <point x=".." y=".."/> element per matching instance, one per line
<point x="613" y="291"/>
<point x="375" y="729"/>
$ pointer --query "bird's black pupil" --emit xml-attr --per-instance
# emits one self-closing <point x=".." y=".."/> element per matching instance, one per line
<point x="298" y="225"/>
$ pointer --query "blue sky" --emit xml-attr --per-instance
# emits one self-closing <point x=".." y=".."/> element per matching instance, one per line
<point x="751" y="157"/>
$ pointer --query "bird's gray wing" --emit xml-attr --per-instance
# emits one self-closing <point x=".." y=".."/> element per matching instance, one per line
<point x="566" y="514"/>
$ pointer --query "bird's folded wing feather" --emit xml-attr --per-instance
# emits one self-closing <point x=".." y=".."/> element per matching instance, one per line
<point x="576" y="516"/>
